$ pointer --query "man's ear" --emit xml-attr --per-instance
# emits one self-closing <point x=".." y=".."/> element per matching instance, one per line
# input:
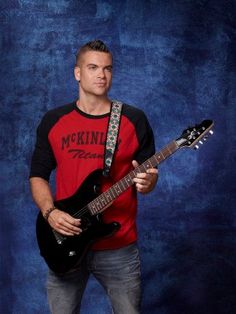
<point x="77" y="73"/>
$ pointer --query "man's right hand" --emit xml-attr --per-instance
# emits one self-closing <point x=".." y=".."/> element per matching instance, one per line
<point x="64" y="223"/>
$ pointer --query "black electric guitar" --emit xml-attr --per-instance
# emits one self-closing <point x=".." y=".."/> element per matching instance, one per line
<point x="63" y="253"/>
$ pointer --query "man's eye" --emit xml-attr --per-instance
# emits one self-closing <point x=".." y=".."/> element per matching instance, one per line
<point x="92" y="67"/>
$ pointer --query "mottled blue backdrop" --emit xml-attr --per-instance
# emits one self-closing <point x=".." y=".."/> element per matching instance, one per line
<point x="177" y="61"/>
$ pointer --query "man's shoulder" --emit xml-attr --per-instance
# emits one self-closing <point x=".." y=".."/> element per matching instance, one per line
<point x="53" y="115"/>
<point x="61" y="110"/>
<point x="133" y="113"/>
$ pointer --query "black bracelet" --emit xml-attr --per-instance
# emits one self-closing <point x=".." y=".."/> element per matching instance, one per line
<point x="48" y="212"/>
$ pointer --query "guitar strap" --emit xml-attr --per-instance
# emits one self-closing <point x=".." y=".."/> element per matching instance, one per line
<point x="112" y="135"/>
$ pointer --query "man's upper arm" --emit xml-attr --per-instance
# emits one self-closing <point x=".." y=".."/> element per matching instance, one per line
<point x="43" y="160"/>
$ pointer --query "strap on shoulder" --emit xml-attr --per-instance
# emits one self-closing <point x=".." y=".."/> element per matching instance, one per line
<point x="112" y="135"/>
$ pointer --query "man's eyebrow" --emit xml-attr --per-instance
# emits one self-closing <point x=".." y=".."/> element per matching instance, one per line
<point x="92" y="64"/>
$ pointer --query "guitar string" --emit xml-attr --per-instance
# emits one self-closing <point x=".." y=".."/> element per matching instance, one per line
<point x="156" y="158"/>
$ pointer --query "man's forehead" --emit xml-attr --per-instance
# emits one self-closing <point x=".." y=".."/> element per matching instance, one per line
<point x="96" y="57"/>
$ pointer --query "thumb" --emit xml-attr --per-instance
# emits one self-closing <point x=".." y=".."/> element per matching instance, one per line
<point x="135" y="163"/>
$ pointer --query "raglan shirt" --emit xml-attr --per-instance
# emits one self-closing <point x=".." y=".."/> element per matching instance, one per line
<point x="73" y="142"/>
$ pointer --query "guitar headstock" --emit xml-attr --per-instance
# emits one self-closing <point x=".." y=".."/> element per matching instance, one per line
<point x="192" y="135"/>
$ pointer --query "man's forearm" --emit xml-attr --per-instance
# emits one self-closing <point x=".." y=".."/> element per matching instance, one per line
<point x="41" y="193"/>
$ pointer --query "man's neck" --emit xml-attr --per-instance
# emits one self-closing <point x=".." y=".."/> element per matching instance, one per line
<point x="94" y="106"/>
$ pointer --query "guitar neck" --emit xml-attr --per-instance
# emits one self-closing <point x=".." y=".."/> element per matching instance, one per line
<point x="100" y="203"/>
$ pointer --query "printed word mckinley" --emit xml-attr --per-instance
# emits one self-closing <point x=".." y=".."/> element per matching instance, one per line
<point x="83" y="138"/>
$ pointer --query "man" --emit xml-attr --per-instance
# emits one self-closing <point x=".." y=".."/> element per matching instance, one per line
<point x="72" y="140"/>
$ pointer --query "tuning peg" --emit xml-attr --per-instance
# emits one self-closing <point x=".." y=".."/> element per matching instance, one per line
<point x="196" y="147"/>
<point x="211" y="132"/>
<point x="201" y="142"/>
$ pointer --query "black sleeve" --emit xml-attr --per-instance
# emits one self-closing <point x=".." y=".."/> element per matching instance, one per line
<point x="43" y="160"/>
<point x="145" y="138"/>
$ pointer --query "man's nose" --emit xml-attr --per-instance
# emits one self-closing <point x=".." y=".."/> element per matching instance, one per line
<point x="101" y="73"/>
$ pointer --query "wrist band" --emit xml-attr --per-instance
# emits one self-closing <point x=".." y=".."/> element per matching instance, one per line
<point x="48" y="212"/>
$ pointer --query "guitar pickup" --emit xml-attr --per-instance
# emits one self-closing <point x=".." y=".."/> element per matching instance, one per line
<point x="59" y="237"/>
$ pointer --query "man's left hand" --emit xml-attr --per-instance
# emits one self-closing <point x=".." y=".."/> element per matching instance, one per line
<point x="145" y="181"/>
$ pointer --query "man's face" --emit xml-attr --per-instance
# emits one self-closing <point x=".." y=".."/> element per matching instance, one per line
<point x="94" y="73"/>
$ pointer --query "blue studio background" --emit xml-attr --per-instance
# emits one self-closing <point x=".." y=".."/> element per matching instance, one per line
<point x="176" y="60"/>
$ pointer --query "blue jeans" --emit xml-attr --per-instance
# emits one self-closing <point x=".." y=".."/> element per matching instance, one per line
<point x="118" y="271"/>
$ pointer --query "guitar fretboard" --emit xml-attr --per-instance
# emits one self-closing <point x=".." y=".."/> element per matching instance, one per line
<point x="100" y="203"/>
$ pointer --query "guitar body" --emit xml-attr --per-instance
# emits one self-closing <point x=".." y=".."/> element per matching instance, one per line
<point x="63" y="253"/>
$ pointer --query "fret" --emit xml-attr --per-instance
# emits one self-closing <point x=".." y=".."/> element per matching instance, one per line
<point x="113" y="189"/>
<point x="112" y="193"/>
<point x="175" y="146"/>
<point x="92" y="207"/>
<point x="162" y="155"/>
<point x="126" y="183"/>
<point x="108" y="196"/>
<point x="128" y="180"/>
<point x="164" y="152"/>
<point x="148" y="164"/>
<point x="102" y="200"/>
<point x="150" y="161"/>
<point x="142" y="168"/>
<point x="169" y="149"/>
<point x="105" y="198"/>
<point x="123" y="186"/>
<point x="153" y="160"/>
<point x="98" y="204"/>
<point x="132" y="174"/>
<point x="157" y="158"/>
<point x="117" y="188"/>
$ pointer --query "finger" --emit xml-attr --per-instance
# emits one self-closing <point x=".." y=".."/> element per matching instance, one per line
<point x="69" y="227"/>
<point x="140" y="187"/>
<point x="152" y="171"/>
<point x="63" y="232"/>
<point x="68" y="230"/>
<point x="71" y="220"/>
<point x="64" y="223"/>
<point x="143" y="175"/>
<point x="141" y="181"/>
<point x="60" y="216"/>
<point x="68" y="224"/>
